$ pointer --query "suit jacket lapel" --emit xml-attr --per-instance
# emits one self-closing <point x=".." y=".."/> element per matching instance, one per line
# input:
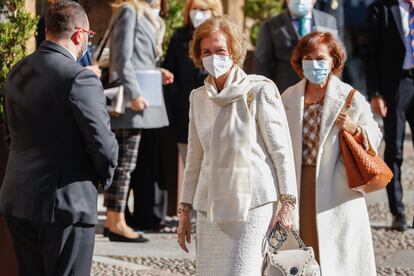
<point x="395" y="9"/>
<point x="317" y="20"/>
<point x="289" y="26"/>
<point x="332" y="106"/>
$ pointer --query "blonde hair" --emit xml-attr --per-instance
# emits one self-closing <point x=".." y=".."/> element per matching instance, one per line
<point x="139" y="5"/>
<point x="214" y="5"/>
<point x="236" y="40"/>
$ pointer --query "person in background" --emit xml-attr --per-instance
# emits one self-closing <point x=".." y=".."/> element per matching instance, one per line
<point x="187" y="75"/>
<point x="333" y="219"/>
<point x="133" y="47"/>
<point x="280" y="34"/>
<point x="85" y="60"/>
<point x="61" y="147"/>
<point x="152" y="175"/>
<point x="336" y="9"/>
<point x="389" y="70"/>
<point x="239" y="161"/>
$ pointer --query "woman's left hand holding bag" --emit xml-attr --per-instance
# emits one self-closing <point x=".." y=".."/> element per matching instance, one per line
<point x="344" y="122"/>
<point x="285" y="216"/>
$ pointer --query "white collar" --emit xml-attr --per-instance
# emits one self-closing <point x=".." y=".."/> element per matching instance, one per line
<point x="403" y="3"/>
<point x="72" y="54"/>
<point x="308" y="16"/>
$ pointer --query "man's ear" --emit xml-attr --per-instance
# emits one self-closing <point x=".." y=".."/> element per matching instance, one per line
<point x="76" y="37"/>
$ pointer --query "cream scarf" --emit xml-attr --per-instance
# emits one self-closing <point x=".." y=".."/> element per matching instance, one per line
<point x="230" y="191"/>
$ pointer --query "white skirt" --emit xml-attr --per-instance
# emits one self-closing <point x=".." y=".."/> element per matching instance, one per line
<point x="234" y="248"/>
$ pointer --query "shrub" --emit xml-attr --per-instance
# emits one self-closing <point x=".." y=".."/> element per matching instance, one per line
<point x="258" y="11"/>
<point x="17" y="26"/>
<point x="173" y="20"/>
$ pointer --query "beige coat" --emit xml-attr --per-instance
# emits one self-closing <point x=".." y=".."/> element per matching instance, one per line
<point x="343" y="227"/>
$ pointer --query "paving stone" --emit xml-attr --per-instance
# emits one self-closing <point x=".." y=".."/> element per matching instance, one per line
<point x="394" y="251"/>
<point x="174" y="265"/>
<point x="394" y="271"/>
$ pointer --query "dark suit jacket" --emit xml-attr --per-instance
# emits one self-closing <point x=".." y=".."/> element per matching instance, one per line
<point x="59" y="137"/>
<point x="383" y="50"/>
<point x="186" y="78"/>
<point x="277" y="39"/>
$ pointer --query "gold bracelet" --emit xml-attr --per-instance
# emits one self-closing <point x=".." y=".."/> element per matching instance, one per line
<point x="288" y="199"/>
<point x="185" y="207"/>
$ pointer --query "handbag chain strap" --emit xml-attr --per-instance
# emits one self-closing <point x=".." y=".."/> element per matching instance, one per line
<point x="281" y="235"/>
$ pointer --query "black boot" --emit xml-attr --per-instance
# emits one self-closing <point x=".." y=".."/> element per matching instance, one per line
<point x="399" y="223"/>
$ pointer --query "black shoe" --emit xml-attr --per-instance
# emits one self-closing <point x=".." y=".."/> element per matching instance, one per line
<point x="399" y="223"/>
<point x="105" y="231"/>
<point x="119" y="238"/>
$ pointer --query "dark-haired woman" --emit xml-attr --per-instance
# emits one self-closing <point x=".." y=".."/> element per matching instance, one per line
<point x="333" y="218"/>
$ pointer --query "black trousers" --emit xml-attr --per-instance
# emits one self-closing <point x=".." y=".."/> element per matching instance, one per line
<point x="148" y="182"/>
<point x="52" y="249"/>
<point x="400" y="111"/>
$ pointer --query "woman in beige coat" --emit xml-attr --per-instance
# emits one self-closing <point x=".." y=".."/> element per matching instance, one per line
<point x="333" y="218"/>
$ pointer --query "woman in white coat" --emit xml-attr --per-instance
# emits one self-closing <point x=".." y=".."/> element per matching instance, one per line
<point x="240" y="158"/>
<point x="333" y="218"/>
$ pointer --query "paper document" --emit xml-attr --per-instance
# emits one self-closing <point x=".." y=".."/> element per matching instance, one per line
<point x="150" y="82"/>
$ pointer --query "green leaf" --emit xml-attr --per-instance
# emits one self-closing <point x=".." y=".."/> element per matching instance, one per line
<point x="258" y="11"/>
<point x="16" y="28"/>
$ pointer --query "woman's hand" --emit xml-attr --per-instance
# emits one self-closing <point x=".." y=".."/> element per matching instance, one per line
<point x="167" y="76"/>
<point x="139" y="104"/>
<point x="284" y="216"/>
<point x="379" y="106"/>
<point x="184" y="230"/>
<point x="95" y="69"/>
<point x="344" y="122"/>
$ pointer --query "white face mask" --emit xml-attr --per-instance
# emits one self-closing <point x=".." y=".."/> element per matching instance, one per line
<point x="198" y="17"/>
<point x="84" y="49"/>
<point x="300" y="8"/>
<point x="217" y="65"/>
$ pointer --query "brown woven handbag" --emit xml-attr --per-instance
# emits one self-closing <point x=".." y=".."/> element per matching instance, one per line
<point x="366" y="173"/>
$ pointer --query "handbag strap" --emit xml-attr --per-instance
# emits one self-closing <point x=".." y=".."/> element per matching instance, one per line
<point x="349" y="98"/>
<point x="281" y="235"/>
<point x="104" y="41"/>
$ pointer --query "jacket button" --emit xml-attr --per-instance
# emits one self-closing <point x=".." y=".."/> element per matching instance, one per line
<point x="294" y="271"/>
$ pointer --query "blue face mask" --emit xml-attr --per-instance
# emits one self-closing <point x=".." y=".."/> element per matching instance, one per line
<point x="84" y="51"/>
<point x="316" y="71"/>
<point x="300" y="8"/>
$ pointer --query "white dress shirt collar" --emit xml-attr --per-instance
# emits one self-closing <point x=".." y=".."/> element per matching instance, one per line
<point x="72" y="54"/>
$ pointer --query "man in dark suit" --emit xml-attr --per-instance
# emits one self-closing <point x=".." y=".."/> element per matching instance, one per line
<point x="389" y="71"/>
<point x="280" y="34"/>
<point x="61" y="146"/>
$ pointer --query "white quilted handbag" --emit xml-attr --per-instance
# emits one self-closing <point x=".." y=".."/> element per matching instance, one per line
<point x="295" y="262"/>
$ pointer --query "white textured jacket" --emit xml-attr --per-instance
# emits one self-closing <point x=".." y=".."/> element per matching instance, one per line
<point x="272" y="172"/>
<point x="343" y="228"/>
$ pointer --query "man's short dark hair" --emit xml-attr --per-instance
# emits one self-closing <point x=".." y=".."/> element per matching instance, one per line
<point x="63" y="17"/>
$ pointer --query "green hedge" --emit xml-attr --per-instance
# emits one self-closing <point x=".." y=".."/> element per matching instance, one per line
<point x="16" y="27"/>
<point x="173" y="20"/>
<point x="258" y="11"/>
